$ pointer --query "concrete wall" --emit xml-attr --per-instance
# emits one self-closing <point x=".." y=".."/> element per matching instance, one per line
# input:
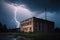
<point x="41" y="25"/>
<point x="28" y="27"/>
<point x="37" y="25"/>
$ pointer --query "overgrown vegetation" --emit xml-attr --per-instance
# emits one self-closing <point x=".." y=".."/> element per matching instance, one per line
<point x="36" y="36"/>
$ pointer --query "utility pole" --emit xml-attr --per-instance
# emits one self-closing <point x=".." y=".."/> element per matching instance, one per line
<point x="45" y="14"/>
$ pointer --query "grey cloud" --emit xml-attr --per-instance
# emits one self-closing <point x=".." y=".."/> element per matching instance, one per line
<point x="50" y="5"/>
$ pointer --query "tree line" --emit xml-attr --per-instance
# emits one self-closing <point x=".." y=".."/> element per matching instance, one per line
<point x="3" y="27"/>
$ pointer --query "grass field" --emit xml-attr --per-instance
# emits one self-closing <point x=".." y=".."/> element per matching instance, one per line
<point x="36" y="36"/>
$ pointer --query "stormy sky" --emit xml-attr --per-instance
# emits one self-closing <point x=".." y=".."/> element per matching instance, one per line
<point x="27" y="9"/>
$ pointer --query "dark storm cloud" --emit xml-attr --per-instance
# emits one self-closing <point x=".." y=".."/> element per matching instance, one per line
<point x="6" y="15"/>
<point x="50" y="5"/>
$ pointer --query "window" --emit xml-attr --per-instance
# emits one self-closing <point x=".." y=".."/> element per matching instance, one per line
<point x="30" y="22"/>
<point x="30" y="28"/>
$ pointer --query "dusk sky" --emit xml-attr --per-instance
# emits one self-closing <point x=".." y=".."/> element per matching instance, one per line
<point x="12" y="12"/>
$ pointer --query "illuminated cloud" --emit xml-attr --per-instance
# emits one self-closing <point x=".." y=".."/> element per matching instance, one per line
<point x="18" y="11"/>
<point x="28" y="8"/>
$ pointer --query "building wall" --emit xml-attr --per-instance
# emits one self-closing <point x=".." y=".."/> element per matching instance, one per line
<point x="43" y="25"/>
<point x="37" y="25"/>
<point x="27" y="26"/>
<point x="51" y="27"/>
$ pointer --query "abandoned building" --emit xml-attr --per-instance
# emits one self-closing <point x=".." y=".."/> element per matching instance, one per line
<point x="37" y="25"/>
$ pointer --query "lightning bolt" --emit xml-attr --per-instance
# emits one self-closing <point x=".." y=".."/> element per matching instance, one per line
<point x="23" y="9"/>
<point x="18" y="23"/>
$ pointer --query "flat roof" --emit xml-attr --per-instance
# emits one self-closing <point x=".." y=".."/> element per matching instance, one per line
<point x="37" y="18"/>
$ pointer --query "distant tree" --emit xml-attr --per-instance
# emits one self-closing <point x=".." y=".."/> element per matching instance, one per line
<point x="1" y="24"/>
<point x="5" y="27"/>
<point x="57" y="30"/>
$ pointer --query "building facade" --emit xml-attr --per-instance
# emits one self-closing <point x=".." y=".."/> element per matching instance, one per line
<point x="37" y="25"/>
